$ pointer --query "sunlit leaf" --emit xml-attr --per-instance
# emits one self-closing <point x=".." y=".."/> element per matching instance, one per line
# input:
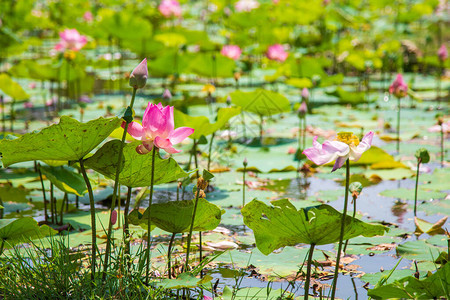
<point x="261" y="102"/>
<point x="176" y="216"/>
<point x="283" y="225"/>
<point x="16" y="231"/>
<point x="67" y="180"/>
<point x="67" y="140"/>
<point x="136" y="168"/>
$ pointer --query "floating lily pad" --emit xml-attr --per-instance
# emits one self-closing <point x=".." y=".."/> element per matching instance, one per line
<point x="408" y="194"/>
<point x="184" y="280"/>
<point x="418" y="250"/>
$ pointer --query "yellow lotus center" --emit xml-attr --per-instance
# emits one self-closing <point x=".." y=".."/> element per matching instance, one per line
<point x="348" y="138"/>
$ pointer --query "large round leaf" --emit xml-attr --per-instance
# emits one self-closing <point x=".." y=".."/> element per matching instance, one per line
<point x="282" y="225"/>
<point x="175" y="216"/>
<point x="68" y="140"/>
<point x="201" y="124"/>
<point x="65" y="179"/>
<point x="12" y="88"/>
<point x="136" y="168"/>
<point x="261" y="102"/>
<point x="15" y="231"/>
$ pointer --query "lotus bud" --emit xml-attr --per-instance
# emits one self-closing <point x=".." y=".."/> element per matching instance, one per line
<point x="114" y="217"/>
<point x="245" y="162"/>
<point x="302" y="110"/>
<point x="305" y="94"/>
<point x="422" y="155"/>
<point x="229" y="100"/>
<point x="355" y="189"/>
<point x="138" y="78"/>
<point x="167" y="95"/>
<point x="442" y="53"/>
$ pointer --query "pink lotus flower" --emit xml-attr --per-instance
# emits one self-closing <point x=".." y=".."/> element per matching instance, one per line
<point x="167" y="95"/>
<point x="437" y="127"/>
<point x="70" y="39"/>
<point x="442" y="53"/>
<point x="158" y="129"/>
<point x="291" y="150"/>
<point x="276" y="52"/>
<point x="231" y="51"/>
<point x="88" y="17"/>
<point x="346" y="146"/>
<point x="305" y="93"/>
<point x="246" y="5"/>
<point x="170" y="8"/>
<point x="302" y="110"/>
<point x="28" y="104"/>
<point x="399" y="87"/>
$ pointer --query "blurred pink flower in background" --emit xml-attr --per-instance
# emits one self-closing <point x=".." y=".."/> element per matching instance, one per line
<point x="398" y="88"/>
<point x="246" y="5"/>
<point x="437" y="128"/>
<point x="170" y="8"/>
<point x="276" y="52"/>
<point x="442" y="53"/>
<point x="28" y="104"/>
<point x="231" y="51"/>
<point x="88" y="17"/>
<point x="157" y="129"/>
<point x="71" y="39"/>
<point x="305" y="93"/>
<point x="32" y="85"/>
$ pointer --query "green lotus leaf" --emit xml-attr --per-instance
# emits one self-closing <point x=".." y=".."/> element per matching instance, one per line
<point x="261" y="102"/>
<point x="67" y="140"/>
<point x="202" y="125"/>
<point x="184" y="280"/>
<point x="175" y="216"/>
<point x="136" y="168"/>
<point x="8" y="193"/>
<point x="432" y="287"/>
<point x="66" y="179"/>
<point x="16" y="231"/>
<point x="283" y="225"/>
<point x="12" y="88"/>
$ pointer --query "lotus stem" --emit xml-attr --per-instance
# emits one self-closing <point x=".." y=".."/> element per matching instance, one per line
<point x="354" y="215"/>
<point x="149" y="220"/>
<point x="398" y="125"/>
<point x="116" y="184"/>
<point x="126" y="232"/>
<point x="210" y="149"/>
<point x="169" y="253"/>
<point x="417" y="185"/>
<point x="93" y="225"/>
<point x="442" y="145"/>
<point x="308" y="270"/>
<point x="243" y="185"/>
<point x="52" y="203"/>
<point x="190" y="230"/>
<point x="43" y="192"/>
<point x="341" y="235"/>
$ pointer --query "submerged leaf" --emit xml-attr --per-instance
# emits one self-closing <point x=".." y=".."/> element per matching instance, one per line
<point x="282" y="225"/>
